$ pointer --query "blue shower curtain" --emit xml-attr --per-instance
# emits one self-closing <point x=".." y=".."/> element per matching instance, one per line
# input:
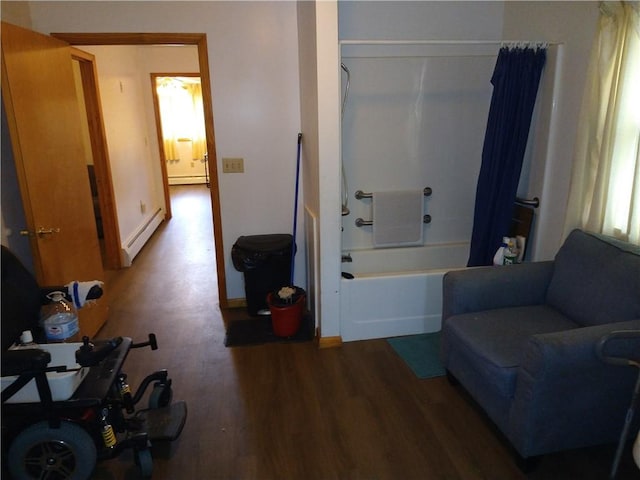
<point x="515" y="85"/>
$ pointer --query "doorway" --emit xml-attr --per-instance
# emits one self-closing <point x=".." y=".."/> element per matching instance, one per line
<point x="199" y="40"/>
<point x="93" y="134"/>
<point x="179" y="116"/>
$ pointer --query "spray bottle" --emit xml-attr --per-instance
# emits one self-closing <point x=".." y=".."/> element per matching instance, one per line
<point x="498" y="258"/>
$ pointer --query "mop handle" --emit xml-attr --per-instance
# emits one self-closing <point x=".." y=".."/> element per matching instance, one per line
<point x="295" y="211"/>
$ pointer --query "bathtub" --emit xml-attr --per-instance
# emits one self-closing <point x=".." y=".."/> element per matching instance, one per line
<point x="396" y="291"/>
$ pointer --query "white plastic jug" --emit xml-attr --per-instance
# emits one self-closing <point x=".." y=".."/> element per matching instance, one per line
<point x="59" y="319"/>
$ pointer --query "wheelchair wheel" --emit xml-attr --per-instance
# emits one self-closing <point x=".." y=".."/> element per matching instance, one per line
<point x="144" y="462"/>
<point x="160" y="396"/>
<point x="40" y="451"/>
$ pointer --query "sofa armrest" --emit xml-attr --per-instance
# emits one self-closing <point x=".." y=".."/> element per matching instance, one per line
<point x="487" y="288"/>
<point x="563" y="353"/>
<point x="566" y="396"/>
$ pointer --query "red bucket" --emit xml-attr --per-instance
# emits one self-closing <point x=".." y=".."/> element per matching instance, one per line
<point x="286" y="319"/>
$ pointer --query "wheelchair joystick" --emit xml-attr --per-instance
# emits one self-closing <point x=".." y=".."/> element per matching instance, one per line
<point x="87" y="355"/>
<point x="86" y="345"/>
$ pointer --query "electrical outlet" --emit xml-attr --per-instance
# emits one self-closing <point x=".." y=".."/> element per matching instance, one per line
<point x="233" y="165"/>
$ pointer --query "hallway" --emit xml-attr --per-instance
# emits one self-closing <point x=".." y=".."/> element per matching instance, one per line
<point x="290" y="410"/>
<point x="179" y="260"/>
<point x="171" y="290"/>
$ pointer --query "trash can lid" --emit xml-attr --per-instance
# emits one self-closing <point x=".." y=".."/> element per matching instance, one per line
<point x="272" y="243"/>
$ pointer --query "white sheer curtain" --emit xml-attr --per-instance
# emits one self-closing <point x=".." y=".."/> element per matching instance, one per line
<point x="171" y="125"/>
<point x="182" y="115"/>
<point x="605" y="185"/>
<point x="198" y="135"/>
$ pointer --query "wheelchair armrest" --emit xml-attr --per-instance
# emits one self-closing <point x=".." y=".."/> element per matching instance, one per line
<point x="16" y="362"/>
<point x="620" y="347"/>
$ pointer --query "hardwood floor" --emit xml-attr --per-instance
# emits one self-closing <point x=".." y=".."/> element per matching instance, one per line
<point x="293" y="411"/>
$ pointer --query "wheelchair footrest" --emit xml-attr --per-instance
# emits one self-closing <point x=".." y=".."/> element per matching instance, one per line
<point x="164" y="424"/>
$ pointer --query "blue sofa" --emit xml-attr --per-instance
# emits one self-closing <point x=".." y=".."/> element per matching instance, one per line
<point x="521" y="340"/>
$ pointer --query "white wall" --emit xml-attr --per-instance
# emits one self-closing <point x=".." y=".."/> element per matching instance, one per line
<point x="169" y="59"/>
<point x="133" y="164"/>
<point x="328" y="78"/>
<point x="154" y="59"/>
<point x="319" y="88"/>
<point x="130" y="125"/>
<point x="307" y="57"/>
<point x="415" y="20"/>
<point x="253" y="61"/>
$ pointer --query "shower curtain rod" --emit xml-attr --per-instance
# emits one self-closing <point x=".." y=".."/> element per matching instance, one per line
<point x="445" y="42"/>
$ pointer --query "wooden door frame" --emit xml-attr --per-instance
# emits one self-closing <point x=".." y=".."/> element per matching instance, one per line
<point x="112" y="259"/>
<point x="200" y="40"/>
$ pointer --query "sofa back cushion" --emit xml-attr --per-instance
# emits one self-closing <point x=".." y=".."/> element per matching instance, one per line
<point x="596" y="280"/>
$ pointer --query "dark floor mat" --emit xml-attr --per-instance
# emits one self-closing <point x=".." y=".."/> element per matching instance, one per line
<point x="258" y="330"/>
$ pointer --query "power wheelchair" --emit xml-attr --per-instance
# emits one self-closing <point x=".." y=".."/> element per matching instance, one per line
<point x="53" y="432"/>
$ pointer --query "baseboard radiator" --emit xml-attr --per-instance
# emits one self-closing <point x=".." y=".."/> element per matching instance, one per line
<point x="137" y="240"/>
<point x="187" y="180"/>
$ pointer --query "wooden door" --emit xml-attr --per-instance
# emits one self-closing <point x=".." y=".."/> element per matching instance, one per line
<point x="43" y="116"/>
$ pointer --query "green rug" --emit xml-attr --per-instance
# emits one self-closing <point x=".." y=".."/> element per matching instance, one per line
<point x="421" y="353"/>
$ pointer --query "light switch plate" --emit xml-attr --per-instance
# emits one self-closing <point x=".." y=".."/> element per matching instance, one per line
<point x="233" y="165"/>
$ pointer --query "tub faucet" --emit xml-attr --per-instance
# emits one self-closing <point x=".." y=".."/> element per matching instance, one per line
<point x="347" y="258"/>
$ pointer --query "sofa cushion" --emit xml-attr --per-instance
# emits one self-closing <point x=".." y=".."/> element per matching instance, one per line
<point x="596" y="280"/>
<point x="494" y="339"/>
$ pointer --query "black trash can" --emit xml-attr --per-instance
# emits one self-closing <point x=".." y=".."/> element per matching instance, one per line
<point x="265" y="261"/>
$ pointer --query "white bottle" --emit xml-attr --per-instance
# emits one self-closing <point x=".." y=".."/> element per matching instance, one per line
<point x="510" y="253"/>
<point x="498" y="258"/>
<point x="26" y="342"/>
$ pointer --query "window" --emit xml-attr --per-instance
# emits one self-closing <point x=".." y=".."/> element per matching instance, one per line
<point x="181" y="116"/>
<point x="624" y="188"/>
<point x="605" y="185"/>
